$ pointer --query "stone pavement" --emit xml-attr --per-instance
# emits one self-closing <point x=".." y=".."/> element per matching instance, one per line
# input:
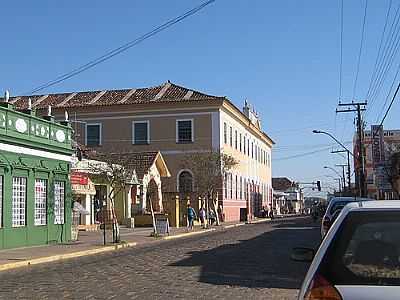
<point x="91" y="242"/>
<point x="250" y="261"/>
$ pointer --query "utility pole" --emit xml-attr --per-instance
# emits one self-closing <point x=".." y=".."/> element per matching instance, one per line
<point x="348" y="166"/>
<point x="344" y="177"/>
<point x="358" y="107"/>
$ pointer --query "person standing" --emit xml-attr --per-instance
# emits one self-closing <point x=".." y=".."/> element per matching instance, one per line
<point x="202" y="216"/>
<point x="191" y="215"/>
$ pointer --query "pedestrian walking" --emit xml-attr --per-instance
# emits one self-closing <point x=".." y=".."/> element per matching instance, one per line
<point x="212" y="217"/>
<point x="191" y="215"/>
<point x="202" y="216"/>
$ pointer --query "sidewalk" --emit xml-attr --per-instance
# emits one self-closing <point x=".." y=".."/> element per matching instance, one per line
<point x="91" y="242"/>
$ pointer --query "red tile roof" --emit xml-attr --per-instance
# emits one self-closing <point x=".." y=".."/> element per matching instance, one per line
<point x="167" y="92"/>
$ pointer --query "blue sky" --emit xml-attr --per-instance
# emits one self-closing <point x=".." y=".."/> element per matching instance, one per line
<point x="281" y="55"/>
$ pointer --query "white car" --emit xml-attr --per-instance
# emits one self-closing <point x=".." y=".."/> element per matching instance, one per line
<point x="335" y="205"/>
<point x="359" y="259"/>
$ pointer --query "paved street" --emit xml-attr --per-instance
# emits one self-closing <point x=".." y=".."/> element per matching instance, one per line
<point x="250" y="261"/>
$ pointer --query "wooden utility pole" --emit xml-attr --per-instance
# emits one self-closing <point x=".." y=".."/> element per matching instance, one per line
<point x="358" y="107"/>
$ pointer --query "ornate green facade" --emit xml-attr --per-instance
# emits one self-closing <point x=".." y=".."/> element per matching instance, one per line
<point x="34" y="172"/>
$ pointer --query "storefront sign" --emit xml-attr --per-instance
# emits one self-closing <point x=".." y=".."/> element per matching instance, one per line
<point x="162" y="225"/>
<point x="79" y="178"/>
<point x="378" y="155"/>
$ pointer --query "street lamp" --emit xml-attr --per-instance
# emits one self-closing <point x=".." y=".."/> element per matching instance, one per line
<point x="348" y="155"/>
<point x="335" y="139"/>
<point x="340" y="176"/>
<point x="337" y="179"/>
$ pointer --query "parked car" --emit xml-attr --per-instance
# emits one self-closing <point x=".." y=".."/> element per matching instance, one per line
<point x="336" y="204"/>
<point x="359" y="257"/>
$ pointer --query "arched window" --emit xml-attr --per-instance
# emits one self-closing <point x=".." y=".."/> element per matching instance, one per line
<point x="185" y="182"/>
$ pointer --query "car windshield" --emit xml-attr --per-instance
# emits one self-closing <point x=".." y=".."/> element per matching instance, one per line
<point x="365" y="250"/>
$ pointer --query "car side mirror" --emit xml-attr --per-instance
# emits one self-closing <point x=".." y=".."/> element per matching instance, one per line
<point x="302" y="254"/>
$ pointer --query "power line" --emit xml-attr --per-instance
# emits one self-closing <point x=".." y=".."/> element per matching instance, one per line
<point x="389" y="92"/>
<point x="380" y="47"/>
<point x="122" y="48"/>
<point x="360" y="51"/>
<point x="302" y="154"/>
<point x="388" y="109"/>
<point x="391" y="48"/>
<point x="341" y="52"/>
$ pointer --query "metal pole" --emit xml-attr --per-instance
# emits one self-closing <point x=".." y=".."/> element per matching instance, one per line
<point x="348" y="172"/>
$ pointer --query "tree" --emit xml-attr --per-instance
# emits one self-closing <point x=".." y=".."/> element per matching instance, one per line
<point x="117" y="170"/>
<point x="209" y="169"/>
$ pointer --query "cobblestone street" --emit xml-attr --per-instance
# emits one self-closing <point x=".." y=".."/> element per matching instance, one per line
<point x="250" y="261"/>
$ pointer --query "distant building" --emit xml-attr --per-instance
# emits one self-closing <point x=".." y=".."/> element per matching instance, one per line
<point x="379" y="144"/>
<point x="288" y="196"/>
<point x="175" y="121"/>
<point x="35" y="193"/>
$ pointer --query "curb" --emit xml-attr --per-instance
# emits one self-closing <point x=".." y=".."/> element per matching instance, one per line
<point x="53" y="258"/>
<point x="234" y="225"/>
<point x="186" y="234"/>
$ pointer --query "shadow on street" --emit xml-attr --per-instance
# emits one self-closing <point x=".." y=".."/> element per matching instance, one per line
<point x="260" y="262"/>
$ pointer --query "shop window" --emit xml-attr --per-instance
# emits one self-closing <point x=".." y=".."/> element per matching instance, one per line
<point x="19" y="201"/>
<point x="40" y="201"/>
<point x="59" y="202"/>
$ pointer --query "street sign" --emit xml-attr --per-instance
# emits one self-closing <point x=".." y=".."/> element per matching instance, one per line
<point x="162" y="225"/>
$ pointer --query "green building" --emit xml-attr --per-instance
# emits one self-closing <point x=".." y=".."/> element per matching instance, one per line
<point x="35" y="192"/>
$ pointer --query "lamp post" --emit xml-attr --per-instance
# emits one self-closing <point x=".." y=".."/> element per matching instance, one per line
<point x="340" y="176"/>
<point x="348" y="155"/>
<point x="337" y="179"/>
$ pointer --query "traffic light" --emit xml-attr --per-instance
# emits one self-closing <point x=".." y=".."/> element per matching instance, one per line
<point x="319" y="185"/>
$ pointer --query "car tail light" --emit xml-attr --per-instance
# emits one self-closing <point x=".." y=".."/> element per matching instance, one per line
<point x="321" y="289"/>
<point x="326" y="224"/>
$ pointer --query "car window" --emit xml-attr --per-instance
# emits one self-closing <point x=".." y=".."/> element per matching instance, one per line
<point x="365" y="250"/>
<point x="338" y="206"/>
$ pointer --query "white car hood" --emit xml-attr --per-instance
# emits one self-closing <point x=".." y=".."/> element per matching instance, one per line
<point x="362" y="292"/>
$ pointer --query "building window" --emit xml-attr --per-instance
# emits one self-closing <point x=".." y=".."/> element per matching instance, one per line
<point x="240" y="142"/>
<point x="248" y="148"/>
<point x="241" y="188"/>
<point x="40" y="201"/>
<point x="141" y="132"/>
<point x="93" y="135"/>
<point x="185" y="182"/>
<point x="231" y="185"/>
<point x="184" y="131"/>
<point x="236" y="187"/>
<point x="225" y="134"/>
<point x="230" y="136"/>
<point x="1" y="201"/>
<point x="236" y="141"/>
<point x="19" y="202"/>
<point x="244" y="144"/>
<point x="252" y="150"/>
<point x="59" y="202"/>
<point x="226" y="185"/>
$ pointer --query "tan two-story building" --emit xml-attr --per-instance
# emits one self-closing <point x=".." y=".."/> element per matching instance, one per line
<point x="174" y="120"/>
